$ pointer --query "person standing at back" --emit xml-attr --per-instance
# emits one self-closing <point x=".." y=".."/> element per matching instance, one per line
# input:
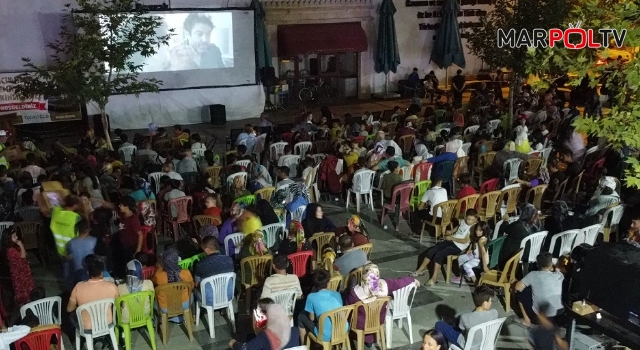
<point x="458" y="84"/>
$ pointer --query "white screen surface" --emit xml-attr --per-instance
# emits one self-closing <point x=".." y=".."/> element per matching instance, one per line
<point x="199" y="55"/>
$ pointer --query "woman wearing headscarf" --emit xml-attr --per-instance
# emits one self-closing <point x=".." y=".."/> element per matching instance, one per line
<point x="272" y="329"/>
<point x="560" y="221"/>
<point x="522" y="135"/>
<point x="372" y="287"/>
<point x="253" y="245"/>
<point x="508" y="152"/>
<point x="261" y="179"/>
<point x="377" y="152"/>
<point x="143" y="191"/>
<point x="295" y="241"/>
<point x="422" y="152"/>
<point x="356" y="229"/>
<point x="517" y="231"/>
<point x="266" y="213"/>
<point x="315" y="221"/>
<point x="170" y="272"/>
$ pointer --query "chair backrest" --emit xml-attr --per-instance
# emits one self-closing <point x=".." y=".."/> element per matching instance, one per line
<point x="265" y="193"/>
<point x="148" y="271"/>
<point x="236" y="239"/>
<point x="352" y="278"/>
<point x="485" y="159"/>
<point x="567" y="241"/>
<point x="233" y="176"/>
<point x="545" y="153"/>
<point x="219" y="285"/>
<point x="300" y="262"/>
<point x="511" y="167"/>
<point x="489" y="185"/>
<point x="419" y="189"/>
<point x="402" y="193"/>
<point x="373" y="313"/>
<point x="213" y="172"/>
<point x="422" y="171"/>
<point x="298" y="213"/>
<point x="447" y="209"/>
<point x="363" y="181"/>
<point x="339" y="319"/>
<point x="244" y="163"/>
<point x="40" y="338"/>
<point x="98" y="312"/>
<point x="127" y="152"/>
<point x="485" y="335"/>
<point x="464" y="204"/>
<point x="301" y="148"/>
<point x="402" y="300"/>
<point x="292" y="162"/>
<point x="273" y="234"/>
<point x="465" y="147"/>
<point x="137" y="305"/>
<point x="535" y="245"/>
<point x="319" y="157"/>
<point x="366" y="248"/>
<point x="173" y="294"/>
<point x="487" y="203"/>
<point x="589" y="234"/>
<point x="255" y="269"/>
<point x="30" y="233"/>
<point x="560" y="190"/>
<point x="493" y="249"/>
<point x="532" y="166"/>
<point x="47" y="310"/>
<point x="611" y="220"/>
<point x="286" y="299"/>
<point x="198" y="152"/>
<point x="508" y="274"/>
<point x="246" y="200"/>
<point x="471" y="130"/>
<point x="183" y="208"/>
<point x="461" y="166"/>
<point x="382" y="175"/>
<point x="406" y="142"/>
<point x="537" y="193"/>
<point x="320" y="239"/>
<point x="31" y="213"/>
<point x="494" y="123"/>
<point x="512" y="193"/>
<point x="406" y="172"/>
<point x="203" y="220"/>
<point x="276" y="150"/>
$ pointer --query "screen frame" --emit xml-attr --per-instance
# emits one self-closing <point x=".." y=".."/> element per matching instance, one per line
<point x="205" y="9"/>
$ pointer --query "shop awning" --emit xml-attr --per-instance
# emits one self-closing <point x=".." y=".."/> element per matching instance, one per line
<point x="301" y="39"/>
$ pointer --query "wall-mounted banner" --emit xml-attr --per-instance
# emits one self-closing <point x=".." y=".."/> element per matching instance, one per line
<point x="11" y="103"/>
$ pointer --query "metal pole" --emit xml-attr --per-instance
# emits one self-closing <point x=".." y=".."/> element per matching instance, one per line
<point x="386" y="84"/>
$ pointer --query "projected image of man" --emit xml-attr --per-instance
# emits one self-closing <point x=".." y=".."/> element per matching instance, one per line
<point x="197" y="51"/>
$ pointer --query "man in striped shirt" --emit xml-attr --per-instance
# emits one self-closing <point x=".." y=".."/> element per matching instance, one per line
<point x="281" y="280"/>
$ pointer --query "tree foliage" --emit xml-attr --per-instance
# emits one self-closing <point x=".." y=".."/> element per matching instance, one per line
<point x="621" y="126"/>
<point x="93" y="58"/>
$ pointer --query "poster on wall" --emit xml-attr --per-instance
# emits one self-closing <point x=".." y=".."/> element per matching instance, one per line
<point x="11" y="103"/>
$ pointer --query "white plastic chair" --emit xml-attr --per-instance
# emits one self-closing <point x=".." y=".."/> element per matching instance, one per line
<point x="237" y="239"/>
<point x="319" y="157"/>
<point x="496" y="230"/>
<point x="513" y="165"/>
<point x="535" y="245"/>
<point x="399" y="308"/>
<point x="233" y="176"/>
<point x="43" y="309"/>
<point x="588" y="235"/>
<point x="5" y="225"/>
<point x="284" y="187"/>
<point x="316" y="191"/>
<point x="154" y="180"/>
<point x="471" y="130"/>
<point x="273" y="234"/>
<point x="611" y="220"/>
<point x="406" y="172"/>
<point x="127" y="153"/>
<point x="379" y="188"/>
<point x="298" y="213"/>
<point x="198" y="153"/>
<point x="301" y="148"/>
<point x="465" y="147"/>
<point x="494" y="124"/>
<point x="489" y="332"/>
<point x="100" y="326"/>
<point x="545" y="153"/>
<point x="362" y="185"/>
<point x="243" y="162"/>
<point x="286" y="299"/>
<point x="567" y="241"/>
<point x="292" y="163"/>
<point x="276" y="150"/>
<point x="218" y="285"/>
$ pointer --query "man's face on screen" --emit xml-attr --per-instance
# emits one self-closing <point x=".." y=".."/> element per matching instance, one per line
<point x="200" y="37"/>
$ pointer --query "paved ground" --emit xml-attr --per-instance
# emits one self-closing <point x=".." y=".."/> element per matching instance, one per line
<point x="395" y="254"/>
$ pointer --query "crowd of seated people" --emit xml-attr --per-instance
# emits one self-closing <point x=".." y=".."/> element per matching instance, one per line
<point x="110" y="205"/>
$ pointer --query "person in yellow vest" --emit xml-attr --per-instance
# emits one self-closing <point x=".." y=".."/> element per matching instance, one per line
<point x="3" y="148"/>
<point x="63" y="226"/>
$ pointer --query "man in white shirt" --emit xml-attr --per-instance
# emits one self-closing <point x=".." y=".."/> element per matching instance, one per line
<point x="167" y="169"/>
<point x="32" y="168"/>
<point x="434" y="196"/>
<point x="280" y="280"/>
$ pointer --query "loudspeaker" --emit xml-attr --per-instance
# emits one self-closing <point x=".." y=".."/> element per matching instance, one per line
<point x="218" y="114"/>
<point x="268" y="76"/>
